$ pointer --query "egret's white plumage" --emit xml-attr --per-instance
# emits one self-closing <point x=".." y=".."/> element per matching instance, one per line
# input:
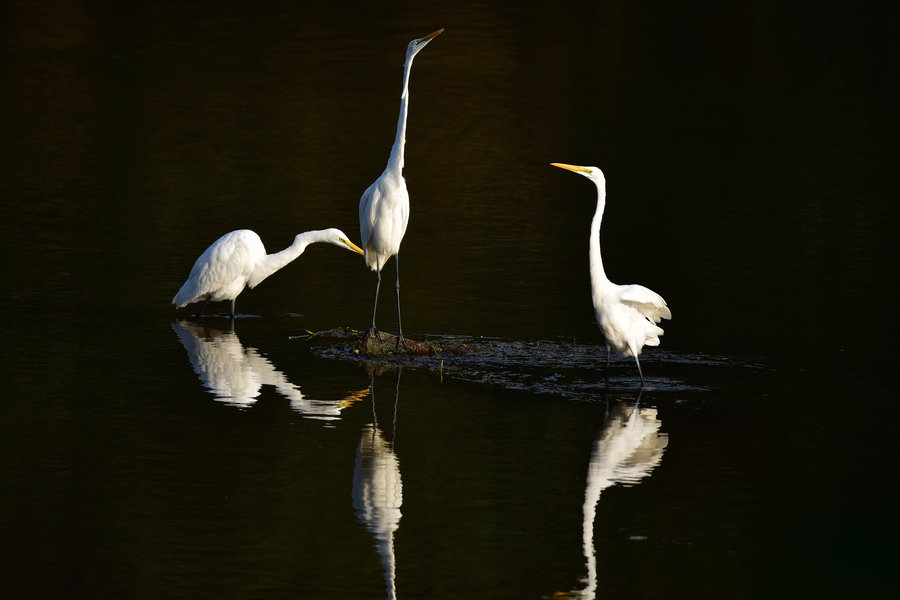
<point x="627" y="314"/>
<point x="384" y="206"/>
<point x="238" y="259"/>
<point x="378" y="496"/>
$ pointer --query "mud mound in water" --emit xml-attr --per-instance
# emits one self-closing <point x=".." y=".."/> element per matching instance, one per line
<point x="556" y="367"/>
<point x="382" y="344"/>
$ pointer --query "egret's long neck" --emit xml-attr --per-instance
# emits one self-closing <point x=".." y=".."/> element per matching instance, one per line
<point x="598" y="275"/>
<point x="395" y="162"/>
<point x="274" y="262"/>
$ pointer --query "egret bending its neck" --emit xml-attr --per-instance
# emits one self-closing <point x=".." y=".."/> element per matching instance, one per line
<point x="272" y="263"/>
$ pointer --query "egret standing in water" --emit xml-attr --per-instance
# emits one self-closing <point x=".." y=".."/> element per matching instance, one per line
<point x="627" y="314"/>
<point x="238" y="260"/>
<point x="384" y="206"/>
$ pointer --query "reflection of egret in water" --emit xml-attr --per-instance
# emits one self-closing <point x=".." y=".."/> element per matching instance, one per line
<point x="235" y="374"/>
<point x="378" y="490"/>
<point x="627" y="449"/>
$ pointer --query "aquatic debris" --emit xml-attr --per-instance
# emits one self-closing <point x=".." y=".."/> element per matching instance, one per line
<point x="384" y="344"/>
<point x="555" y="367"/>
<point x="335" y="332"/>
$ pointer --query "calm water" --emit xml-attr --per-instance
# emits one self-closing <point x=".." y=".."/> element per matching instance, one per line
<point x="749" y="153"/>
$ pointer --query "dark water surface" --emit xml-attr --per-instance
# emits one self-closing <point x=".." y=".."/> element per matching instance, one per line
<point x="750" y="153"/>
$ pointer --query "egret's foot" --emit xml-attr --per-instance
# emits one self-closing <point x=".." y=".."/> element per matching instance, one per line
<point x="401" y="341"/>
<point x="375" y="343"/>
<point x="372" y="332"/>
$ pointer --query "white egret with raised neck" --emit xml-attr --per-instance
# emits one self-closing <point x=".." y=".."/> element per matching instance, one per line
<point x="384" y="206"/>
<point x="627" y="314"/>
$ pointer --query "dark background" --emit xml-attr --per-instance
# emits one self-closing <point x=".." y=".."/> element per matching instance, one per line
<point x="749" y="151"/>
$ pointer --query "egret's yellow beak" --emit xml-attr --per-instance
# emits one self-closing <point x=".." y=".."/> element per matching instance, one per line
<point x="352" y="246"/>
<point x="430" y="36"/>
<point x="573" y="168"/>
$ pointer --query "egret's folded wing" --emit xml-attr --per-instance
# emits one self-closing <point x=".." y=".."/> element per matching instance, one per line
<point x="645" y="301"/>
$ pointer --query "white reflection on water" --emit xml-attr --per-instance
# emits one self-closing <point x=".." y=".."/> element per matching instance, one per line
<point x="235" y="374"/>
<point x="378" y="491"/>
<point x="627" y="449"/>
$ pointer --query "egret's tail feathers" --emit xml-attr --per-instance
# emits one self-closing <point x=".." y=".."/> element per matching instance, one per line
<point x="370" y="257"/>
<point x="178" y="301"/>
<point x="651" y="335"/>
<point x="185" y="296"/>
<point x="373" y="260"/>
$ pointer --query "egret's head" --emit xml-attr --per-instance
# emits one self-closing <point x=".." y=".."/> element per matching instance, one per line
<point x="592" y="173"/>
<point x="332" y="236"/>
<point x="416" y="45"/>
<point x="339" y="238"/>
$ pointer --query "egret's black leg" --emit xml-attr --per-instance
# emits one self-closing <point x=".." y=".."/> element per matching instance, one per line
<point x="375" y="307"/>
<point x="205" y="302"/>
<point x="606" y="372"/>
<point x="232" y="308"/>
<point x="400" y="339"/>
<point x="638" y="363"/>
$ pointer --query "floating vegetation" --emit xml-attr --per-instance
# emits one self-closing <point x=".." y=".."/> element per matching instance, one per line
<point x="384" y="345"/>
<point x="562" y="368"/>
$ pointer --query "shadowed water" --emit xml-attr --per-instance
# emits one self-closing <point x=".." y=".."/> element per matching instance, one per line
<point x="748" y="150"/>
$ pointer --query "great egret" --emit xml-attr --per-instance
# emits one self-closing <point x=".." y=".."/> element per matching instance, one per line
<point x="384" y="206"/>
<point x="627" y="314"/>
<point x="238" y="259"/>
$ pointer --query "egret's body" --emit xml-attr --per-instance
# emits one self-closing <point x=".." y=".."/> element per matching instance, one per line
<point x="238" y="259"/>
<point x="384" y="206"/>
<point x="627" y="314"/>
